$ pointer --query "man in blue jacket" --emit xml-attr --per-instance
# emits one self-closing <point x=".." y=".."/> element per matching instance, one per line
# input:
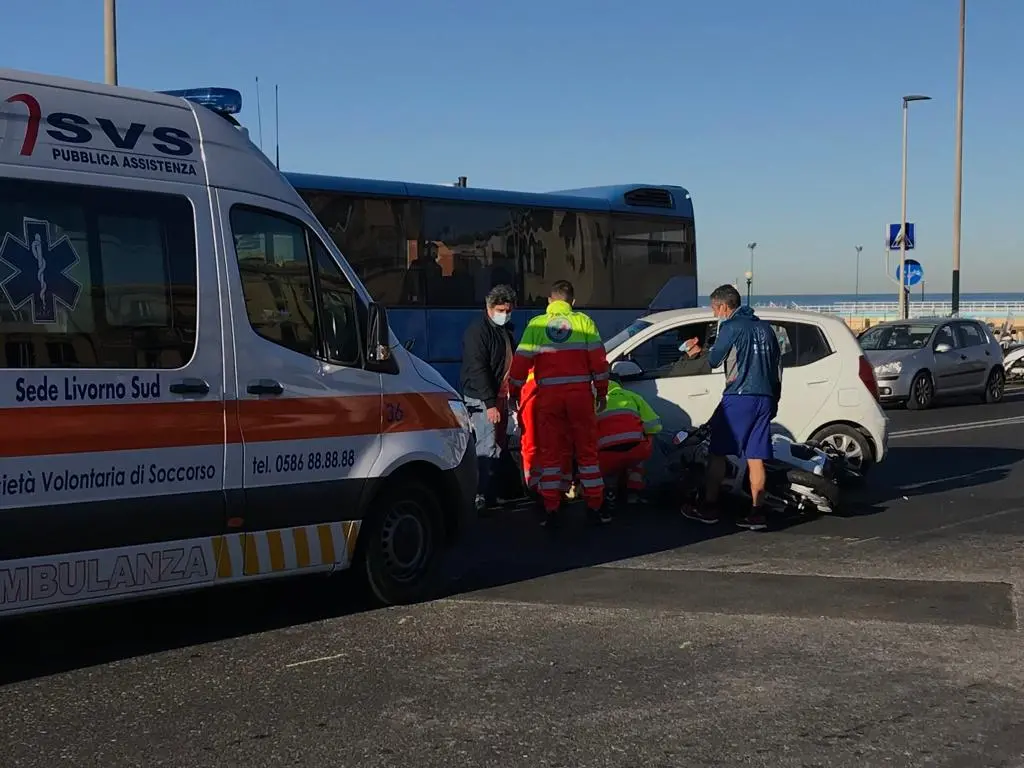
<point x="741" y="425"/>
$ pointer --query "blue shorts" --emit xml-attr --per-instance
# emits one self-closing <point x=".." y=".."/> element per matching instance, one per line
<point x="741" y="426"/>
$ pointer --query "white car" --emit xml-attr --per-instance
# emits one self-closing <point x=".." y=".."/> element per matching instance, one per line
<point x="829" y="392"/>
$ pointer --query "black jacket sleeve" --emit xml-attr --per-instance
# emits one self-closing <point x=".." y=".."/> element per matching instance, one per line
<point x="477" y="377"/>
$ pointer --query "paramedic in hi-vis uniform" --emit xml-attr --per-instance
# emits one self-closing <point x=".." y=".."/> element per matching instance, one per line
<point x="625" y="428"/>
<point x="563" y="349"/>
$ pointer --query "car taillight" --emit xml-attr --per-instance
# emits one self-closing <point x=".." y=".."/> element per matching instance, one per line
<point x="867" y="375"/>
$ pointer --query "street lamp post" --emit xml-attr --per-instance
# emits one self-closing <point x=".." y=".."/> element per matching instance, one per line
<point x="110" y="41"/>
<point x="856" y="279"/>
<point x="903" y="217"/>
<point x="958" y="183"/>
<point x="750" y="272"/>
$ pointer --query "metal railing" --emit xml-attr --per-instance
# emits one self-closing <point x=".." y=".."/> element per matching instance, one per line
<point x="888" y="310"/>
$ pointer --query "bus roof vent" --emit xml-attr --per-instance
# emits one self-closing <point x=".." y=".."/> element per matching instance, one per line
<point x="649" y="197"/>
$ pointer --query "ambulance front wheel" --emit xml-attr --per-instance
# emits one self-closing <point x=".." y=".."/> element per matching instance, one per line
<point x="399" y="552"/>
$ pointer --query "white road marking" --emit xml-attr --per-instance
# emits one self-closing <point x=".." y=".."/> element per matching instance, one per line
<point x="938" y="430"/>
<point x="314" y="661"/>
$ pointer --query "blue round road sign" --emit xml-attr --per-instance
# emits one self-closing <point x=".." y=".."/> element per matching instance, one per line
<point x="915" y="273"/>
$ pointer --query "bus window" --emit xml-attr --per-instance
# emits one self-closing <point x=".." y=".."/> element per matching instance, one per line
<point x="378" y="237"/>
<point x="564" y="245"/>
<point x="467" y="249"/>
<point x="646" y="253"/>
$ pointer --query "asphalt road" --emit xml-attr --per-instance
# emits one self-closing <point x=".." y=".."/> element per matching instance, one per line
<point x="886" y="636"/>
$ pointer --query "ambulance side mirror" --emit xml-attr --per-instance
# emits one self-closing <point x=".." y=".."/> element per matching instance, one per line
<point x="378" y="349"/>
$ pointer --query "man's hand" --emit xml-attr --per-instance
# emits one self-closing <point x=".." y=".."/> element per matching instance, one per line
<point x="602" y="403"/>
<point x="693" y="348"/>
<point x="493" y="415"/>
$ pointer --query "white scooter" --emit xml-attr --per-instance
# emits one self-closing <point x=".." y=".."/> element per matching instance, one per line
<point x="1013" y="363"/>
<point x="800" y="478"/>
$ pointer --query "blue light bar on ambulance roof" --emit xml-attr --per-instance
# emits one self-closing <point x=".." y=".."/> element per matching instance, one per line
<point x="224" y="101"/>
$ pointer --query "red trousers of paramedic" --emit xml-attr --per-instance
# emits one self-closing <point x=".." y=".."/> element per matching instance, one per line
<point x="625" y="463"/>
<point x="566" y="424"/>
<point x="527" y="434"/>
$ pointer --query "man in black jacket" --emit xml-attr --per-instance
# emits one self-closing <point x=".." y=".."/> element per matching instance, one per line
<point x="487" y="349"/>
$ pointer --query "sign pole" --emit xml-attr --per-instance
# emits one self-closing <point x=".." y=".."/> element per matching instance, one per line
<point x="958" y="181"/>
<point x="903" y="224"/>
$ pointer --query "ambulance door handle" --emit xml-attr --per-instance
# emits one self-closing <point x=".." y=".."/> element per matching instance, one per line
<point x="265" y="387"/>
<point x="189" y="387"/>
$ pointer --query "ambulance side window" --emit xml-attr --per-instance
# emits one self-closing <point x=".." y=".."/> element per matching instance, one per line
<point x="95" y="277"/>
<point x="303" y="304"/>
<point x="276" y="280"/>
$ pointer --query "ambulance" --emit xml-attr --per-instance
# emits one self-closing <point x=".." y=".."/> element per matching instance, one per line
<point x="195" y="388"/>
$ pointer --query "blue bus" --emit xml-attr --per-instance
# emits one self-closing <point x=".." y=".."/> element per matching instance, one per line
<point x="430" y="253"/>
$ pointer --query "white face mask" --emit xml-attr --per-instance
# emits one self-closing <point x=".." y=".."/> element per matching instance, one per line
<point x="499" y="318"/>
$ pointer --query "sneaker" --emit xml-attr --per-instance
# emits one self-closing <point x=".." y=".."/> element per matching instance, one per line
<point x="599" y="516"/>
<point x="546" y="519"/>
<point x="707" y="515"/>
<point x="636" y="500"/>
<point x="481" y="503"/>
<point x="755" y="521"/>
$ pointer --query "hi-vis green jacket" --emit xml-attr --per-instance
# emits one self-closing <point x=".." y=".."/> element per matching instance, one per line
<point x="628" y="419"/>
<point x="564" y="349"/>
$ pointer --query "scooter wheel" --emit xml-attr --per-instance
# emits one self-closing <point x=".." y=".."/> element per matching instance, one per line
<point x="824" y="487"/>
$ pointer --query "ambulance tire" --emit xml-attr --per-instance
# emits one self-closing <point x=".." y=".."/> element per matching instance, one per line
<point x="400" y="545"/>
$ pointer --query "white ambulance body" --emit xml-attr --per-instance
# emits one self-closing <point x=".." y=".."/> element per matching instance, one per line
<point x="195" y="388"/>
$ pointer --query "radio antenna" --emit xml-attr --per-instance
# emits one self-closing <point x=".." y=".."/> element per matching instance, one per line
<point x="259" y="112"/>
<point x="277" y="131"/>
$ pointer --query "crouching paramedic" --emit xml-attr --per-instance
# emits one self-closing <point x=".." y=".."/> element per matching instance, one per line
<point x="563" y="349"/>
<point x="624" y="431"/>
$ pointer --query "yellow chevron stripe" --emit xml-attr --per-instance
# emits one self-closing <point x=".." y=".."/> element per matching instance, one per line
<point x="326" y="543"/>
<point x="276" y="546"/>
<point x="301" y="540"/>
<point x="333" y="543"/>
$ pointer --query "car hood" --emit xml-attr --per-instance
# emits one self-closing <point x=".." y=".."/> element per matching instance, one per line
<point x="882" y="356"/>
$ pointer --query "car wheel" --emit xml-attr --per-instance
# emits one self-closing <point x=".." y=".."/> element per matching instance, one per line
<point x="996" y="385"/>
<point x="850" y="442"/>
<point x="400" y="545"/>
<point x="922" y="392"/>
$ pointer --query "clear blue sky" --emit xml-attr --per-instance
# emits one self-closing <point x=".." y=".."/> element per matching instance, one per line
<point x="782" y="118"/>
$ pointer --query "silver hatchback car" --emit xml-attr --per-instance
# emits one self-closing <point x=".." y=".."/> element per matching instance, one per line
<point x="917" y="360"/>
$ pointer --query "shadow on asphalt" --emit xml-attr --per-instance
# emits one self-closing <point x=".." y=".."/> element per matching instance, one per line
<point x="915" y="471"/>
<point x="507" y="548"/>
<point x="513" y="548"/>
<point x="1012" y="392"/>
